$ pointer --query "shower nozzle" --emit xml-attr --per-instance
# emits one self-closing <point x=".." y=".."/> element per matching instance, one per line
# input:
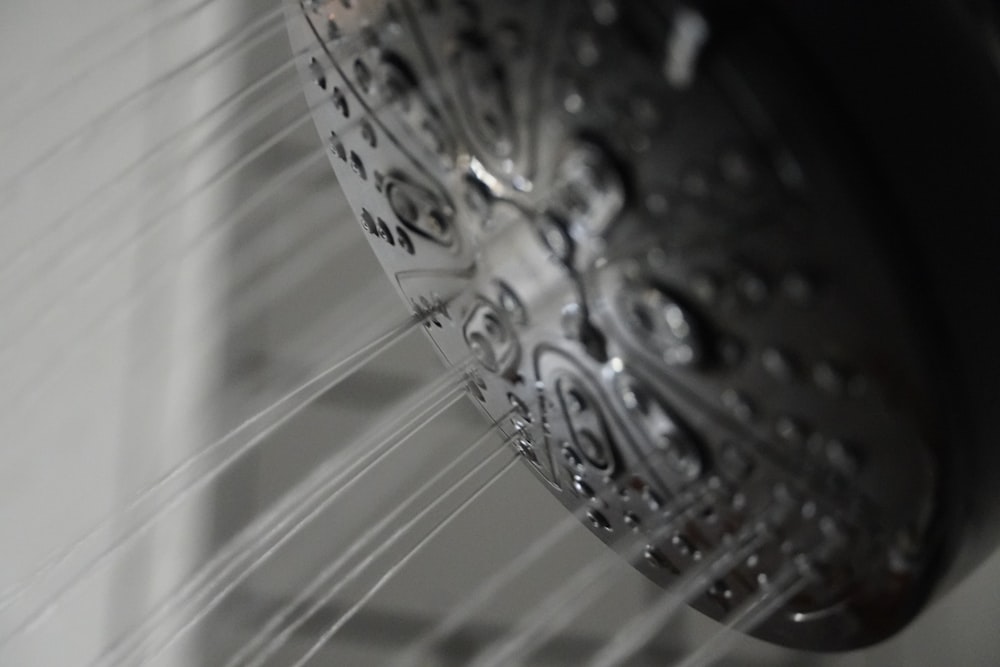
<point x="712" y="263"/>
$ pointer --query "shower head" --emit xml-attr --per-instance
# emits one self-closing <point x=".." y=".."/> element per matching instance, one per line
<point x="710" y="267"/>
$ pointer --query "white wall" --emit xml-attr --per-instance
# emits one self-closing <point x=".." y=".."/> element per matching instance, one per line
<point x="108" y="334"/>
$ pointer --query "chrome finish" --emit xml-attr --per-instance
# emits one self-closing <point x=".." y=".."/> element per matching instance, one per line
<point x="665" y="259"/>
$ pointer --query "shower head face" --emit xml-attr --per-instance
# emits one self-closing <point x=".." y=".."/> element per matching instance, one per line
<point x="670" y="278"/>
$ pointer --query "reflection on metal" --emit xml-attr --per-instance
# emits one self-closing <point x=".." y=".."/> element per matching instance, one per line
<point x="670" y="289"/>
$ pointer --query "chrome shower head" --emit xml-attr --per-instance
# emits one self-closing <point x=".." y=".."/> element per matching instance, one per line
<point x="698" y="278"/>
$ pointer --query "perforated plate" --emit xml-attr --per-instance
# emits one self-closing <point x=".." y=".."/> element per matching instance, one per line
<point x="668" y="275"/>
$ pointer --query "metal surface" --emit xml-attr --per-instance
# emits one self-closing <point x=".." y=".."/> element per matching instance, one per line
<point x="665" y="255"/>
